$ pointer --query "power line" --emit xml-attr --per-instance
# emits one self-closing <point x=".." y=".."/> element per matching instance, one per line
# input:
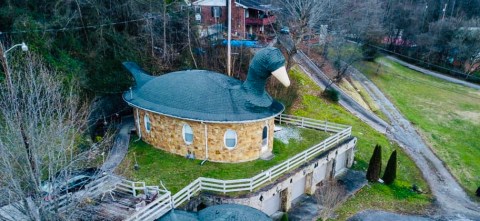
<point x="81" y="27"/>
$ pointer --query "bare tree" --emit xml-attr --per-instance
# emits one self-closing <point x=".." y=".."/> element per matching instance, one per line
<point x="329" y="196"/>
<point x="41" y="120"/>
<point x="302" y="16"/>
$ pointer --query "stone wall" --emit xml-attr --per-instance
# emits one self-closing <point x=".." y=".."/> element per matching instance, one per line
<point x="166" y="134"/>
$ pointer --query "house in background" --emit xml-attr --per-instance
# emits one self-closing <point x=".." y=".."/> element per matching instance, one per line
<point x="251" y="19"/>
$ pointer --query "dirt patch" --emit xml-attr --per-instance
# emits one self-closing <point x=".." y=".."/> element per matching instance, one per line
<point x="471" y="116"/>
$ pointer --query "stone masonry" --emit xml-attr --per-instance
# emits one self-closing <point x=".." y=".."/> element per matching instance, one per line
<point x="166" y="134"/>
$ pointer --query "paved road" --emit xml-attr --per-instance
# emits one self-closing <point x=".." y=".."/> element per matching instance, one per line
<point x="375" y="215"/>
<point x="453" y="202"/>
<point x="120" y="146"/>
<point x="435" y="74"/>
<point x="346" y="101"/>
<point x="450" y="196"/>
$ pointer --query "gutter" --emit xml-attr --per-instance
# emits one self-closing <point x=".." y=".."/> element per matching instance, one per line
<point x="206" y="144"/>
<point x="138" y="127"/>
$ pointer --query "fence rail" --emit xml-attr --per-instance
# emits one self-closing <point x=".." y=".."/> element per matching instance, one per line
<point x="162" y="205"/>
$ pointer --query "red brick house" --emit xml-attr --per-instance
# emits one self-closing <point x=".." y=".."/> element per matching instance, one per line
<point x="250" y="18"/>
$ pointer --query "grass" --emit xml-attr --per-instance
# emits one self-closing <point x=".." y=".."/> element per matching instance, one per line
<point x="396" y="197"/>
<point x="176" y="172"/>
<point x="447" y="115"/>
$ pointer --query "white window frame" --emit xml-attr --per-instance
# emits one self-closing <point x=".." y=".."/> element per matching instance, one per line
<point x="147" y="123"/>
<point x="184" y="132"/>
<point x="225" y="139"/>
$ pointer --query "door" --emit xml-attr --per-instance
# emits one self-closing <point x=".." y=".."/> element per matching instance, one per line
<point x="264" y="140"/>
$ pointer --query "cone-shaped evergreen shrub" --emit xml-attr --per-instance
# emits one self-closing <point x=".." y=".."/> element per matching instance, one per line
<point x="375" y="165"/>
<point x="284" y="217"/>
<point x="391" y="169"/>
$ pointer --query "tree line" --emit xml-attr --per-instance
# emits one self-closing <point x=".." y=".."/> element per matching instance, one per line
<point x="443" y="35"/>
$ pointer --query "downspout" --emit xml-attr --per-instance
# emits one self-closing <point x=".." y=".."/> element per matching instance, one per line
<point x="206" y="144"/>
<point x="138" y="127"/>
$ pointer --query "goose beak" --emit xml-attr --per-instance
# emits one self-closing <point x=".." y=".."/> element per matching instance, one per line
<point x="282" y="75"/>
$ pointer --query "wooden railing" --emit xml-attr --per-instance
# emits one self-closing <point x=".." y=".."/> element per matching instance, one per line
<point x="260" y="21"/>
<point x="164" y="204"/>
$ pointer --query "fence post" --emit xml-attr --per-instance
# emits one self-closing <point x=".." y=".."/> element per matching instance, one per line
<point x="302" y="121"/>
<point x="280" y="121"/>
<point x="251" y="185"/>
<point x="326" y="125"/>
<point x="134" y="189"/>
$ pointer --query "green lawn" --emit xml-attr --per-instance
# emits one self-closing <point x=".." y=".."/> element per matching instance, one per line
<point x="396" y="197"/>
<point x="176" y="172"/>
<point x="447" y="115"/>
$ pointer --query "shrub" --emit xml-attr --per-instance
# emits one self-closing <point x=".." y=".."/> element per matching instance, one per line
<point x="332" y="94"/>
<point x="478" y="192"/>
<point x="391" y="169"/>
<point x="284" y="217"/>
<point x="375" y="165"/>
<point x="368" y="52"/>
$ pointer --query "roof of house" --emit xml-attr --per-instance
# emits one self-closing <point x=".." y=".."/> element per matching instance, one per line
<point x="208" y="96"/>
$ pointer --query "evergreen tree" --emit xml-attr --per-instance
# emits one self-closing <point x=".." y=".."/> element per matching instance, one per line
<point x="391" y="169"/>
<point x="284" y="217"/>
<point x="375" y="165"/>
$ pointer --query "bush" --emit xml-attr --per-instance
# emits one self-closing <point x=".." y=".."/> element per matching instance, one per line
<point x="391" y="169"/>
<point x="375" y="165"/>
<point x="284" y="217"/>
<point x="332" y="94"/>
<point x="368" y="52"/>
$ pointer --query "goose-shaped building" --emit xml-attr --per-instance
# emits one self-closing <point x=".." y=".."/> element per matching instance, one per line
<point x="207" y="114"/>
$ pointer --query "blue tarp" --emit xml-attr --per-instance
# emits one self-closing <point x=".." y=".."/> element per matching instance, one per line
<point x="244" y="43"/>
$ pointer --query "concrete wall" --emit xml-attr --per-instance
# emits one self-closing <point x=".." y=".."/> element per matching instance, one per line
<point x="279" y="195"/>
<point x="166" y="134"/>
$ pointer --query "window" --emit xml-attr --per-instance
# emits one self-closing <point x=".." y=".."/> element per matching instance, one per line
<point x="265" y="136"/>
<point x="230" y="139"/>
<point x="187" y="134"/>
<point x="216" y="12"/>
<point x="146" y="121"/>
<point x="247" y="13"/>
<point x="198" y="9"/>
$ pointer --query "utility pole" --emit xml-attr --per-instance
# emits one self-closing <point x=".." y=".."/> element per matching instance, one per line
<point x="229" y="38"/>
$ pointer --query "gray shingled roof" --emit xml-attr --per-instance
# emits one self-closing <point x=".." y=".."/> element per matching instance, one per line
<point x="257" y="4"/>
<point x="208" y="96"/>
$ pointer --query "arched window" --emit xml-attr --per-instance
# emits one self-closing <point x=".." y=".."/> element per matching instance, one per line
<point x="146" y="121"/>
<point x="265" y="136"/>
<point x="230" y="139"/>
<point x="187" y="134"/>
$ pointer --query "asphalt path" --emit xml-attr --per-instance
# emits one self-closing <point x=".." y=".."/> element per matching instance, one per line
<point x="434" y="74"/>
<point x="120" y="146"/>
<point x="345" y="100"/>
<point x="452" y="201"/>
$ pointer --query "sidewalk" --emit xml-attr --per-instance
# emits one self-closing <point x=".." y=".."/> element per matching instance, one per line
<point x="120" y="146"/>
<point x="434" y="74"/>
